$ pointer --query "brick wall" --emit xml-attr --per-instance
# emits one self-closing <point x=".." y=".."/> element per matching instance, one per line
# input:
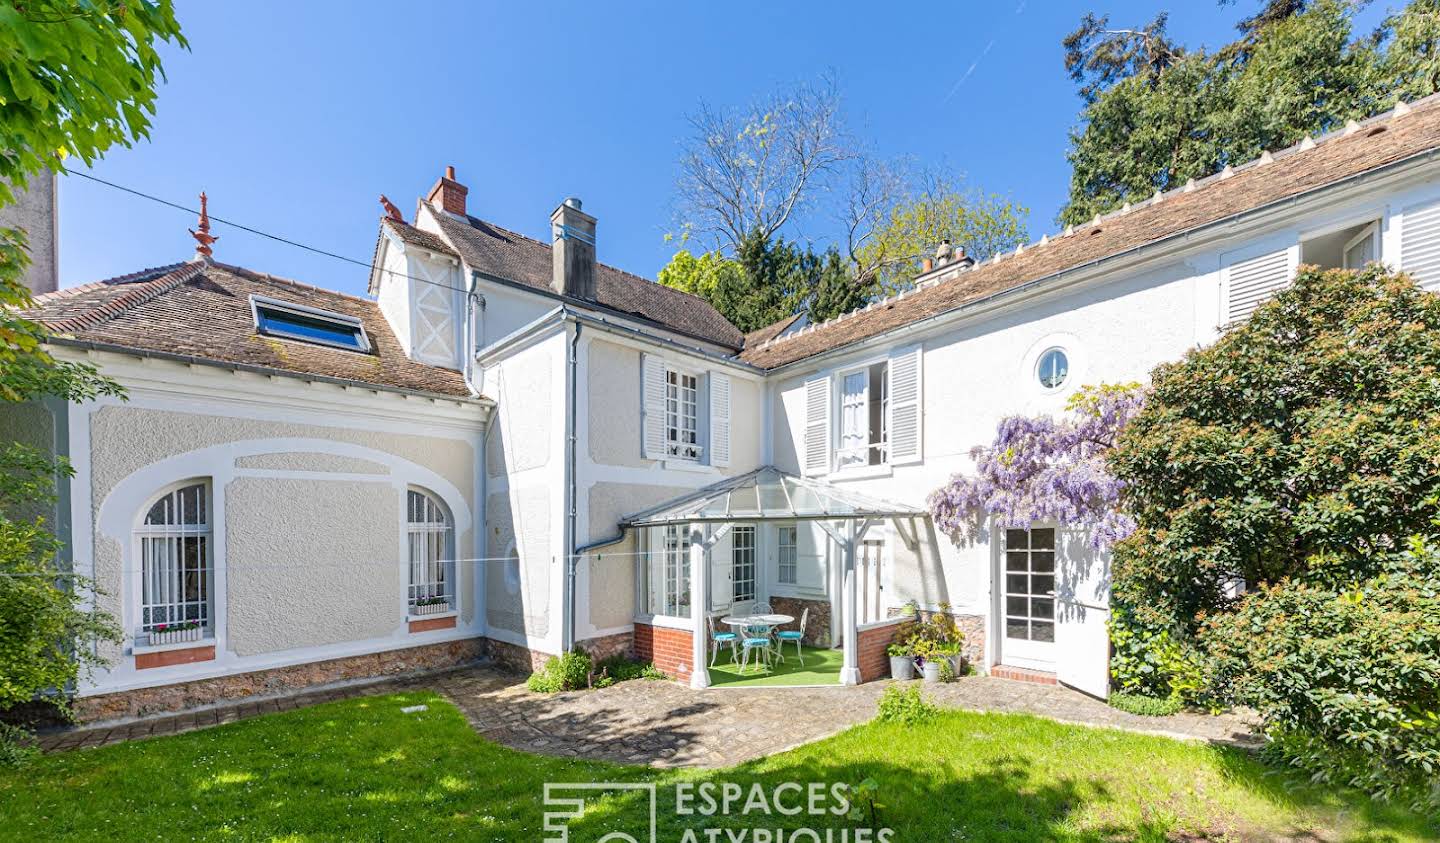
<point x="280" y="680"/>
<point x="873" y="662"/>
<point x="817" y="626"/>
<point x="668" y="649"/>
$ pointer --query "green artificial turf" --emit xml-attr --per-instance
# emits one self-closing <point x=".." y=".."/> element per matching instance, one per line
<point x="362" y="769"/>
<point x="816" y="666"/>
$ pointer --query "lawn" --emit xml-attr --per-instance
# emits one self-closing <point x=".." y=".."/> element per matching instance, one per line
<point x="362" y="769"/>
<point x="816" y="666"/>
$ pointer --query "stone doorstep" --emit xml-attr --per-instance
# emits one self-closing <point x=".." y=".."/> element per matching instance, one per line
<point x="258" y="703"/>
<point x="1023" y="674"/>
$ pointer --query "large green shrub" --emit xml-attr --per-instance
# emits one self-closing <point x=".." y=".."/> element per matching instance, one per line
<point x="567" y="672"/>
<point x="1347" y="679"/>
<point x="1303" y="443"/>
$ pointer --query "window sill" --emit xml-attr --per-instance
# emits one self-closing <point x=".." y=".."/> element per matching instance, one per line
<point x="682" y="464"/>
<point x="862" y="472"/>
<point x="142" y="649"/>
<point x="453" y="613"/>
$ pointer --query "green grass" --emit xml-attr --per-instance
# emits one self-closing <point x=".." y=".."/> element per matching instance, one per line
<point x="362" y="770"/>
<point x="818" y="666"/>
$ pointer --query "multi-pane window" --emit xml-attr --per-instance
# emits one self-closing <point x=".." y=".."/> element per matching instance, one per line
<point x="1030" y="584"/>
<point x="298" y="322"/>
<point x="788" y="555"/>
<point x="682" y="418"/>
<point x="674" y="585"/>
<point x="431" y="537"/>
<point x="742" y="568"/>
<point x="864" y="395"/>
<point x="175" y="562"/>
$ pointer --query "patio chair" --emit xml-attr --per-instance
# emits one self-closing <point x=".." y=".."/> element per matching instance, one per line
<point x="755" y="639"/>
<point x="719" y="638"/>
<point x="795" y="635"/>
<point x="761" y="607"/>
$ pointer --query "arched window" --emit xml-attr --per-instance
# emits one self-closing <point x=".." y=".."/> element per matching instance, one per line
<point x="432" y="555"/>
<point x="176" y="567"/>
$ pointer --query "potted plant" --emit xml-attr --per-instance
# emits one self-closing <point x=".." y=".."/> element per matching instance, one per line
<point x="431" y="605"/>
<point x="902" y="661"/>
<point x="175" y="633"/>
<point x="950" y="651"/>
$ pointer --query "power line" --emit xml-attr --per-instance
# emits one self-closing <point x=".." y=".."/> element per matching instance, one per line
<point x="370" y="265"/>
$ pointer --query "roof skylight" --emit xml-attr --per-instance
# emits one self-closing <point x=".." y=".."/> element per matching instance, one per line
<point x="307" y="324"/>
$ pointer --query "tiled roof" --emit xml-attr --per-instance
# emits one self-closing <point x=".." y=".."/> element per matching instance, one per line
<point x="770" y="332"/>
<point x="418" y="236"/>
<point x="203" y="310"/>
<point x="1358" y="149"/>
<point x="518" y="258"/>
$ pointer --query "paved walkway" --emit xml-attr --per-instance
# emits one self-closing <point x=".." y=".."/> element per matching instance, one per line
<point x="668" y="724"/>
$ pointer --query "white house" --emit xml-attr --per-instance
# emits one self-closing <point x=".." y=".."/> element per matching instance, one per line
<point x="514" y="449"/>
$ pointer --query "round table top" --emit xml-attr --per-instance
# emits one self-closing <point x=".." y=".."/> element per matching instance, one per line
<point x="758" y="620"/>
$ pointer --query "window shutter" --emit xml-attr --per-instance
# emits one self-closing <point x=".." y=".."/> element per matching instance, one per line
<point x="817" y="426"/>
<point x="719" y="419"/>
<point x="652" y="411"/>
<point x="904" y="424"/>
<point x="1420" y="244"/>
<point x="1250" y="282"/>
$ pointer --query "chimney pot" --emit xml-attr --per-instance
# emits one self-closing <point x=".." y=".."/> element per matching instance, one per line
<point x="449" y="194"/>
<point x="572" y="251"/>
<point x="927" y="264"/>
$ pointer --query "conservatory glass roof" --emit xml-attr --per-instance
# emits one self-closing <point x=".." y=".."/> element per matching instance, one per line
<point x="768" y="494"/>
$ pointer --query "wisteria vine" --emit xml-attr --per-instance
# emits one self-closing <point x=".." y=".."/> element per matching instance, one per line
<point x="1040" y="468"/>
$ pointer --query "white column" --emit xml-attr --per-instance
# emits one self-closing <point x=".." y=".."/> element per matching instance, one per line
<point x="850" y="673"/>
<point x="699" y="605"/>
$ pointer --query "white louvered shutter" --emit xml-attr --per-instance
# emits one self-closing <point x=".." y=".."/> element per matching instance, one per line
<point x="904" y="425"/>
<point x="1250" y="282"/>
<point x="719" y="419"/>
<point x="817" y="426"/>
<point x="1420" y="244"/>
<point x="652" y="409"/>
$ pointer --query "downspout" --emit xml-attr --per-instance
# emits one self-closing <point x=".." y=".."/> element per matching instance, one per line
<point x="567" y="629"/>
<point x="474" y="310"/>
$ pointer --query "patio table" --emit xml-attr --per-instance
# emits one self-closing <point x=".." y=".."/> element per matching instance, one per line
<point x="767" y="620"/>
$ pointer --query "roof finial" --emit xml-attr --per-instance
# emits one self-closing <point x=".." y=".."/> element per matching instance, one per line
<point x="203" y="237"/>
<point x="390" y="210"/>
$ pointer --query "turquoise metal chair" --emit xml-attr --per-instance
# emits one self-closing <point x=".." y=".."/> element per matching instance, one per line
<point x="718" y="639"/>
<point x="795" y="635"/>
<point x="755" y="639"/>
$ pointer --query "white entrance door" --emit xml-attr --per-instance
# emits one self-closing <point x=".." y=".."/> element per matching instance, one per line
<point x="868" y="581"/>
<point x="1027" y="598"/>
<point x="743" y="568"/>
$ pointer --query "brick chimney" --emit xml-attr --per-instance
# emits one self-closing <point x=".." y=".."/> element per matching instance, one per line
<point x="572" y="252"/>
<point x="448" y="194"/>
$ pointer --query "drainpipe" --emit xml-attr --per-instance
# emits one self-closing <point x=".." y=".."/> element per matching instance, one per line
<point x="567" y="628"/>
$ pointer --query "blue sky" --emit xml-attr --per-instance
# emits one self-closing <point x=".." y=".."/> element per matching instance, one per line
<point x="295" y="117"/>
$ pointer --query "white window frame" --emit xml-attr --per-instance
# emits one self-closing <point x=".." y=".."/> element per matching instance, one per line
<point x="840" y="453"/>
<point x="675" y="571"/>
<point x="787" y="554"/>
<point x="743" y="572"/>
<point x="156" y="592"/>
<point x="1370" y="232"/>
<point x="676" y="413"/>
<point x="1039" y="372"/>
<point x="258" y="302"/>
<point x="430" y="551"/>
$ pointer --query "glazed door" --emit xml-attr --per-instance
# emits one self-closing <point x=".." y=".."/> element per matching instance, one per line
<point x="1027" y="598"/>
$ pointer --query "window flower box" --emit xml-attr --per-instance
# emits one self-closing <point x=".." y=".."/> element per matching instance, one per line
<point x="431" y="606"/>
<point x="175" y="633"/>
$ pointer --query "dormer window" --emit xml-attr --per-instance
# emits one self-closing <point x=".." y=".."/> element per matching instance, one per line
<point x="307" y="324"/>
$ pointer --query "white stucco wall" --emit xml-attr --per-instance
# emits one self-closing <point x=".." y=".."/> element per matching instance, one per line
<point x="307" y="518"/>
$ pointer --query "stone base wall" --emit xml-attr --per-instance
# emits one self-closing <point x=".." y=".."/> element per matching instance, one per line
<point x="516" y="658"/>
<point x="972" y="626"/>
<point x="668" y="649"/>
<point x="872" y="660"/>
<point x="817" y="626"/>
<point x="609" y="646"/>
<point x="281" y="680"/>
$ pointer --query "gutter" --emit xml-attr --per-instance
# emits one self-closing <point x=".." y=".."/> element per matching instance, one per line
<point x="1001" y="296"/>
<point x="188" y="359"/>
<point x="564" y="312"/>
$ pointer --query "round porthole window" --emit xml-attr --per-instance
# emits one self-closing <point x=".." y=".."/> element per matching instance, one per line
<point x="1053" y="368"/>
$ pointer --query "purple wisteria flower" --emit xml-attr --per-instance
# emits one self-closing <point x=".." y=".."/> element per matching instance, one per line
<point x="1045" y="469"/>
